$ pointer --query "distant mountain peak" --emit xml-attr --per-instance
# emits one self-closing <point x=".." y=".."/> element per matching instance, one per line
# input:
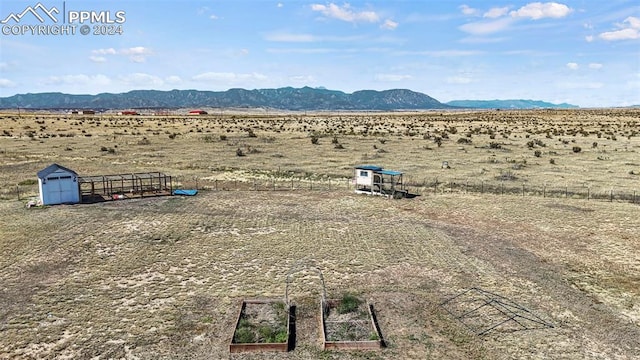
<point x="286" y="98"/>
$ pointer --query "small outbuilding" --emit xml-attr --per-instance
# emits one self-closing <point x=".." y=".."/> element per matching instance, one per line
<point x="197" y="112"/>
<point x="374" y="180"/>
<point x="58" y="185"/>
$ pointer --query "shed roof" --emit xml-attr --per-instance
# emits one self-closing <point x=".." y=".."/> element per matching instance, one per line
<point x="391" y="172"/>
<point x="369" y="167"/>
<point x="53" y="168"/>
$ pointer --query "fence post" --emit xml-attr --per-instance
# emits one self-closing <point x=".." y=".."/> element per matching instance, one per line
<point x="544" y="190"/>
<point x="634" y="197"/>
<point x="451" y="187"/>
<point x="482" y="188"/>
<point x="566" y="191"/>
<point x="216" y="184"/>
<point x="611" y="195"/>
<point x="18" y="191"/>
<point x="501" y="187"/>
<point x="255" y="188"/>
<point x="522" y="189"/>
<point x="435" y="186"/>
<point x="588" y="194"/>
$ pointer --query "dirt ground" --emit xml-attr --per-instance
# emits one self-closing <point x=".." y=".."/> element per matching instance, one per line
<point x="162" y="278"/>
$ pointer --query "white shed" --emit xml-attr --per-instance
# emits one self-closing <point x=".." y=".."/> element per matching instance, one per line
<point x="58" y="185"/>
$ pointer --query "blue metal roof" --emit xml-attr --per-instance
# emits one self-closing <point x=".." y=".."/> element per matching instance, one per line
<point x="369" y="167"/>
<point x="390" y="172"/>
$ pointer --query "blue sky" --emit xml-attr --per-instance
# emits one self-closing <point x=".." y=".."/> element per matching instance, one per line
<point x="584" y="52"/>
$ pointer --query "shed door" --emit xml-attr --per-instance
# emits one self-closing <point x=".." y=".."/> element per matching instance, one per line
<point x="61" y="190"/>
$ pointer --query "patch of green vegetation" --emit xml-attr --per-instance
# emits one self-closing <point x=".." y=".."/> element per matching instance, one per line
<point x="348" y="303"/>
<point x="244" y="335"/>
<point x="268" y="334"/>
<point x="28" y="182"/>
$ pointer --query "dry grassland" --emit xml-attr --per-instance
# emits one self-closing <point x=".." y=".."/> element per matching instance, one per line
<point x="164" y="277"/>
<point x="479" y="146"/>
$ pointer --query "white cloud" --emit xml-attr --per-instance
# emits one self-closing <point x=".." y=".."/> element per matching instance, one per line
<point x="580" y="85"/>
<point x="496" y="12"/>
<point x="467" y="10"/>
<point x="213" y="17"/>
<point x="173" y="79"/>
<point x="345" y="13"/>
<point x="138" y="50"/>
<point x="392" y="77"/>
<point x="440" y="53"/>
<point x="595" y="66"/>
<point x="6" y="83"/>
<point x="280" y="5"/>
<point x="228" y="76"/>
<point x="98" y="59"/>
<point x="629" y="30"/>
<point x="136" y="54"/>
<point x="538" y="10"/>
<point x="138" y="58"/>
<point x="486" y="27"/>
<point x="302" y="79"/>
<point x="389" y="25"/>
<point x="289" y="37"/>
<point x="79" y="79"/>
<point x="573" y="66"/>
<point x="589" y="38"/>
<point x="109" y="51"/>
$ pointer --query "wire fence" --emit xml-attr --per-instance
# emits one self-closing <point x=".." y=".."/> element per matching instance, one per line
<point x="513" y="188"/>
<point x="434" y="186"/>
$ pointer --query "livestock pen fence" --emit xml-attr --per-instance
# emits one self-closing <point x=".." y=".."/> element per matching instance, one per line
<point x="425" y="186"/>
<point x="428" y="186"/>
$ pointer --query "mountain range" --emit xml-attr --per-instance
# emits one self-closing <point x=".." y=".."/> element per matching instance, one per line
<point x="509" y="104"/>
<point x="287" y="98"/>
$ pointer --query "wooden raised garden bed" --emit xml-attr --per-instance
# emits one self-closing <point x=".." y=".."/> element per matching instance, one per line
<point x="262" y="325"/>
<point x="349" y="324"/>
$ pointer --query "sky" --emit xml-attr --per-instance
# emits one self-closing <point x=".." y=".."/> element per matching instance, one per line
<point x="582" y="52"/>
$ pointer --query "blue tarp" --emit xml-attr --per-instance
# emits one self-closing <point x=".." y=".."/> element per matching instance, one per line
<point x="185" y="192"/>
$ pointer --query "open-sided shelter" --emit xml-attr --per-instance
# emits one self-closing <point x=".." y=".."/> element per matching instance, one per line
<point x="374" y="180"/>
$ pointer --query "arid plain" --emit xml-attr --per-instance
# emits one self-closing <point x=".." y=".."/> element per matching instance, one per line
<point x="163" y="277"/>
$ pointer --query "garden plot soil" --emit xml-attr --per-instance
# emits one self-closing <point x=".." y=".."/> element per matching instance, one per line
<point x="354" y="325"/>
<point x="162" y="278"/>
<point x="264" y="321"/>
